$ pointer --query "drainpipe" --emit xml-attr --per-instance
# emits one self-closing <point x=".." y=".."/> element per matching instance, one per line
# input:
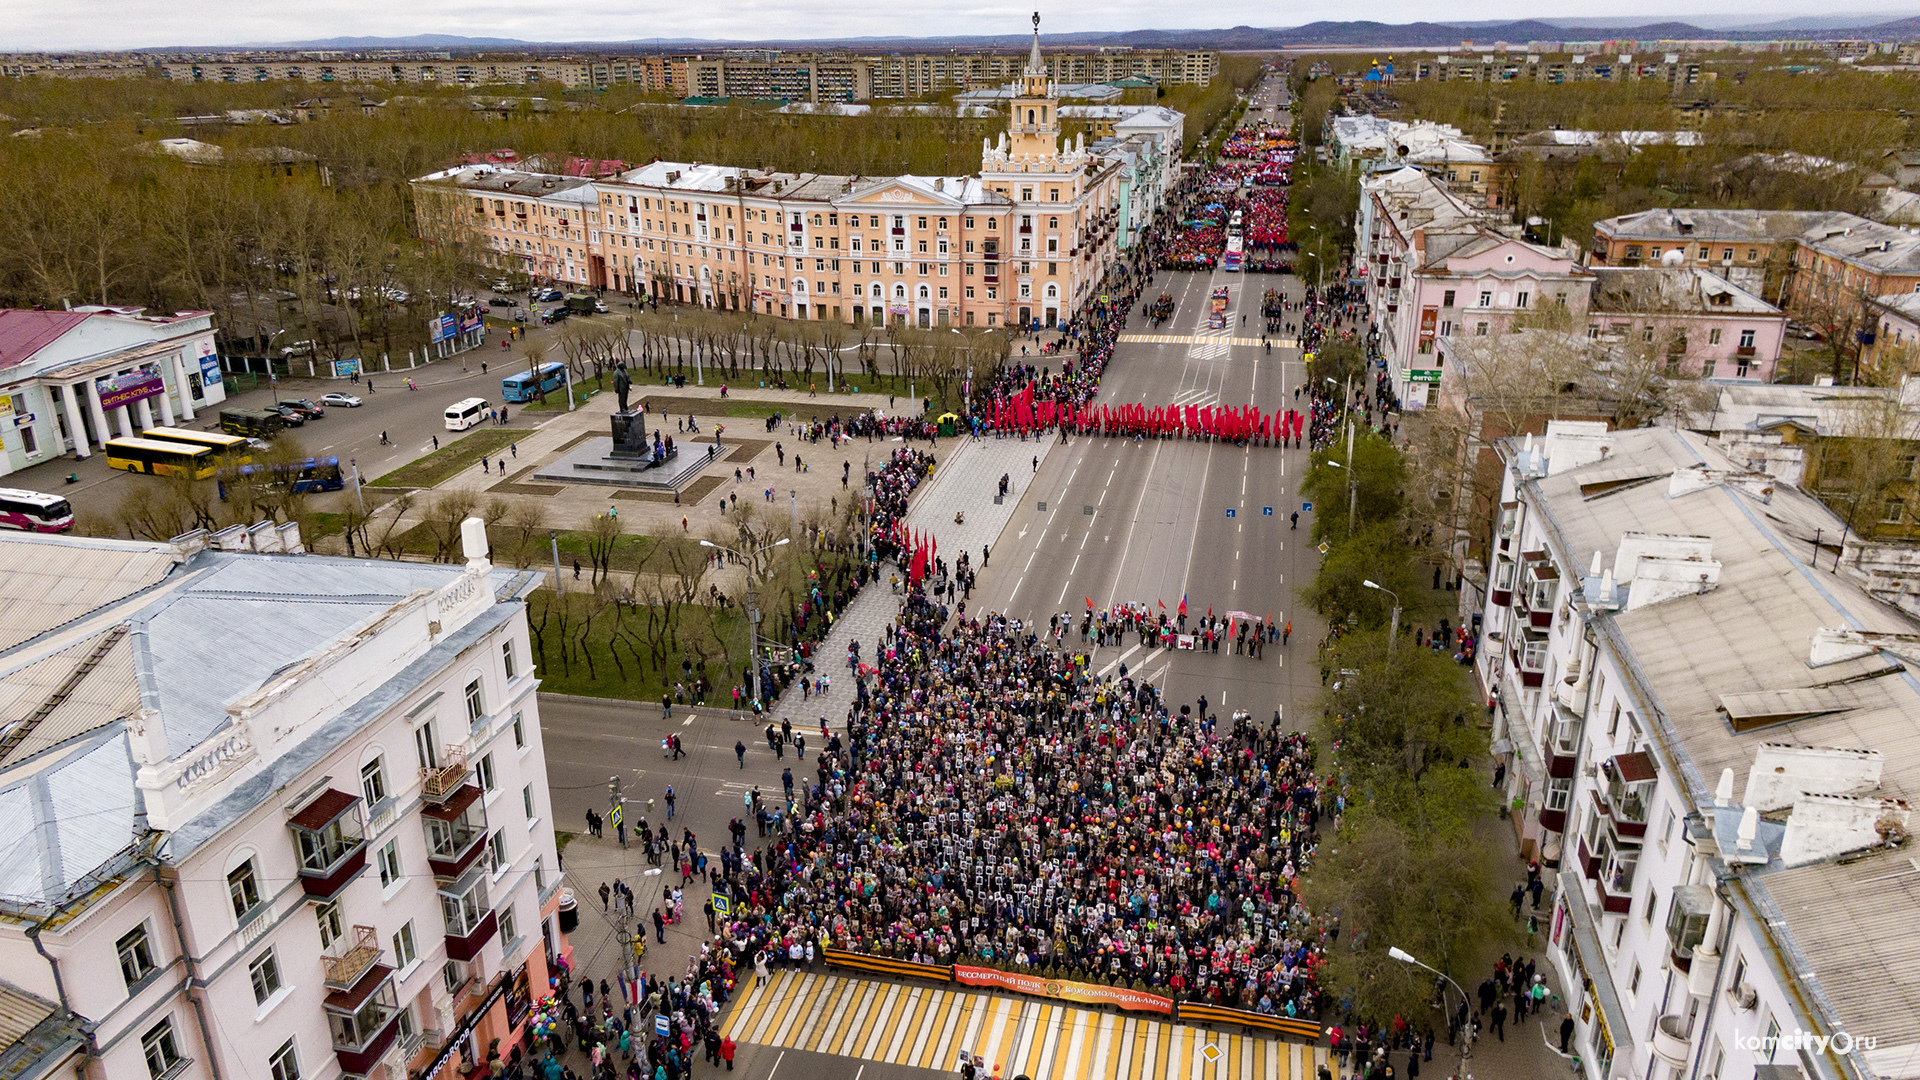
<point x="60" y="990"/>
<point x="193" y="969"/>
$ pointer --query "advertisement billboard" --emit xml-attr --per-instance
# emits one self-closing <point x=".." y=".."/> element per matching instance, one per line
<point x="129" y="387"/>
<point x="1063" y="990"/>
<point x="469" y="320"/>
<point x="441" y="327"/>
<point x="210" y="371"/>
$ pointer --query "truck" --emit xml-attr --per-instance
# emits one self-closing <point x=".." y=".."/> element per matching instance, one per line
<point x="1217" y="312"/>
<point x="252" y="423"/>
<point x="583" y="303"/>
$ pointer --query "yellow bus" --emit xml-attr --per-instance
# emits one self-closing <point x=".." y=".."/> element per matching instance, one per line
<point x="230" y="449"/>
<point x="159" y="458"/>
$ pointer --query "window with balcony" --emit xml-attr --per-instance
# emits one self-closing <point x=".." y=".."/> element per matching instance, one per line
<point x="1564" y="737"/>
<point x="1540" y="593"/>
<point x="361" y="1016"/>
<point x="468" y="914"/>
<point x="1559" y="793"/>
<point x="1533" y="654"/>
<point x="162" y="1051"/>
<point x="1616" y="872"/>
<point x="136" y="955"/>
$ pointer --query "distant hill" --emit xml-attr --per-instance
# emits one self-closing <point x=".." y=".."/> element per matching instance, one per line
<point x="1360" y="34"/>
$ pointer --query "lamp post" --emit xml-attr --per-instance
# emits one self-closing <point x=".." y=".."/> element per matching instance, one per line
<point x="1393" y="628"/>
<point x="1406" y="957"/>
<point x="753" y="612"/>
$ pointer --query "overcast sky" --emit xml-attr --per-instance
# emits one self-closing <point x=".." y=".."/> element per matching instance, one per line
<point x="130" y="24"/>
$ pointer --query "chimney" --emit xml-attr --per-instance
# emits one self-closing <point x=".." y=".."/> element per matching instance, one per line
<point x="1723" y="791"/>
<point x="1823" y="827"/>
<point x="1749" y="829"/>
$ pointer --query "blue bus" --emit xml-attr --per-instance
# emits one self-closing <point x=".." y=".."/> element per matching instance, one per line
<point x="528" y="385"/>
<point x="311" y="474"/>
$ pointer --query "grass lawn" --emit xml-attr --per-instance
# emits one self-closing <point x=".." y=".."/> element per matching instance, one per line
<point x="437" y="467"/>
<point x="589" y="668"/>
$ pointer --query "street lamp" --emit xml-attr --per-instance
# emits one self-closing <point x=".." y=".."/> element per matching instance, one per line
<point x="1406" y="957"/>
<point x="753" y="612"/>
<point x="1393" y="632"/>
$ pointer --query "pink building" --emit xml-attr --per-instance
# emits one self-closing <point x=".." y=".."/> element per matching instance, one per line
<point x="268" y="814"/>
<point x="1701" y="324"/>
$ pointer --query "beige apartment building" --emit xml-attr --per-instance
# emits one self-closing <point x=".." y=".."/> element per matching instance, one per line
<point x="1025" y="241"/>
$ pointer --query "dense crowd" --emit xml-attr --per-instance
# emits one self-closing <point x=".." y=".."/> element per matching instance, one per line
<point x="997" y="805"/>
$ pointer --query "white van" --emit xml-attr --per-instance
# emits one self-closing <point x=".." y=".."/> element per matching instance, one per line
<point x="462" y="415"/>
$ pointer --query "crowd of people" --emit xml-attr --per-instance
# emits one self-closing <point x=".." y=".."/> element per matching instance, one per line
<point x="995" y="804"/>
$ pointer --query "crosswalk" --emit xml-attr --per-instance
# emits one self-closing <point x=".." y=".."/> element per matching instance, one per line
<point x="930" y="1027"/>
<point x="1205" y="339"/>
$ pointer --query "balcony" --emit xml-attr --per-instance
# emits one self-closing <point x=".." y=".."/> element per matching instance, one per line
<point x="1670" y="1040"/>
<point x="350" y="957"/>
<point x="329" y="839"/>
<point x="1616" y="880"/>
<point x="364" y="1020"/>
<point x="456" y="832"/>
<point x="439" y="782"/>
<point x="1629" y="781"/>
<point x="1744" y="352"/>
<point x="466" y="946"/>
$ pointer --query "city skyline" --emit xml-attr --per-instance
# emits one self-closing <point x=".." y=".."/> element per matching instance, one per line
<point x="145" y="24"/>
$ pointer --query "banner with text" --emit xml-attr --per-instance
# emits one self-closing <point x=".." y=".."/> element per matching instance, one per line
<point x="129" y="387"/>
<point x="1062" y="990"/>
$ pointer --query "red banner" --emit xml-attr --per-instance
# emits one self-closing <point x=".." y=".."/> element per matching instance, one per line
<point x="1062" y="990"/>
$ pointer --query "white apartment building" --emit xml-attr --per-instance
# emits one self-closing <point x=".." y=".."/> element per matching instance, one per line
<point x="64" y="375"/>
<point x="1712" y="740"/>
<point x="272" y="816"/>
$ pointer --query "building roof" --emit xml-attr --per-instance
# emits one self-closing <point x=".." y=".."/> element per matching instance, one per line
<point x="37" y="1036"/>
<point x="1694" y="224"/>
<point x="23" y="333"/>
<point x="1676" y="290"/>
<point x="506" y="181"/>
<point x="49" y="585"/>
<point x="1906" y="304"/>
<point x="1868" y="244"/>
<point x="1752" y="633"/>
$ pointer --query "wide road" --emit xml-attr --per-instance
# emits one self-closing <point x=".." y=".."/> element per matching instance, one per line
<point x="1117" y="521"/>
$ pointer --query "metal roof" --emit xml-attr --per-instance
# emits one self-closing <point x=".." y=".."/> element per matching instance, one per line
<point x="86" y="700"/>
<point x="23" y="333"/>
<point x="46" y="583"/>
<point x="20" y="1012"/>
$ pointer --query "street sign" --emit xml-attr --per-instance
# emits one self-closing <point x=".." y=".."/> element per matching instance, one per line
<point x="1229" y="511"/>
<point x="661" y="1026"/>
<point x="1266" y="511"/>
<point x="615" y="817"/>
<point x="722" y="905"/>
<point x="1306" y="508"/>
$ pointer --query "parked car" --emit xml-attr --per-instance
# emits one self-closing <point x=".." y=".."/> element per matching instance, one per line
<point x="298" y="348"/>
<point x="600" y="306"/>
<point x="294" y="417"/>
<point x="345" y="401"/>
<point x="554" y="315"/>
<point x="500" y="301"/>
<point x="503" y="285"/>
<point x="307" y="408"/>
<point x="549" y="296"/>
<point x="520" y="314"/>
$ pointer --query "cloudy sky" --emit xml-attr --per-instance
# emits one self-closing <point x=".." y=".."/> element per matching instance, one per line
<point x="126" y="24"/>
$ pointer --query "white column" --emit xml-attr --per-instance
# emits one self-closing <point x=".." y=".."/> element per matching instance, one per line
<point x="166" y="405"/>
<point x="75" y="427"/>
<point x="123" y="419"/>
<point x="101" y="433"/>
<point x="146" y="413"/>
<point x="183" y="386"/>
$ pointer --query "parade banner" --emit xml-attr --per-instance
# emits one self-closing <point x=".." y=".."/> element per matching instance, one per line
<point x="1062" y="990"/>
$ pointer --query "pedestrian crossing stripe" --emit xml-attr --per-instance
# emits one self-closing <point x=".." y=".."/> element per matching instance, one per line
<point x="1205" y="339"/>
<point x="929" y="1027"/>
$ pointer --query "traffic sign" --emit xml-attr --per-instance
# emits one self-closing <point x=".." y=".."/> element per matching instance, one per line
<point x="1266" y="511"/>
<point x="1229" y="511"/>
<point x="722" y="905"/>
<point x="661" y="1026"/>
<point x="1306" y="508"/>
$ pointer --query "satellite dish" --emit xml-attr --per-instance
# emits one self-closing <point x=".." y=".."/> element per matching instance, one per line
<point x="1673" y="258"/>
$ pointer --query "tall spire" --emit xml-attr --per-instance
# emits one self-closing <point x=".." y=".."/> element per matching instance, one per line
<point x="1036" y="67"/>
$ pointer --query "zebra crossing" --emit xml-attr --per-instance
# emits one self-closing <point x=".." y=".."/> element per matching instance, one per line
<point x="929" y="1027"/>
<point x="1205" y="339"/>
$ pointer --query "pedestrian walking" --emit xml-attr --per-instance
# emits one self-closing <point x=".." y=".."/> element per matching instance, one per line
<point x="660" y="926"/>
<point x="740" y="751"/>
<point x="1500" y="1020"/>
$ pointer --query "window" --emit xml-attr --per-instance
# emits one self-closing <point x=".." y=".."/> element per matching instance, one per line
<point x="509" y="933"/>
<point x="497" y="852"/>
<point x="1653" y="904"/>
<point x="331" y="929"/>
<point x="1713" y="336"/>
<point x="475" y="707"/>
<point x="1520" y="299"/>
<point x="1894" y="512"/>
<point x="264" y="972"/>
<point x="425" y="747"/>
<point x="519" y="732"/>
<point x="1480" y="329"/>
<point x="1559" y="793"/>
<point x="404" y="952"/>
<point x="243" y="889"/>
<point x="390" y="864"/>
<point x="969" y="224"/>
<point x="373" y="781"/>
<point x="526" y="801"/>
<point x="539" y="874"/>
<point x="1746" y="339"/>
<point x="1654" y="252"/>
<point x="483" y="771"/>
<point x="1486" y="298"/>
<point x="1446" y="298"/>
<point x="136" y="955"/>
<point x="506" y="657"/>
<point x="284" y="1064"/>
<point x="162" y="1051"/>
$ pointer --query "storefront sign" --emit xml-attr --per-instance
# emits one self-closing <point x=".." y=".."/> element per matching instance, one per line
<point x="210" y="371"/>
<point x="1423" y="375"/>
<point x="1062" y="990"/>
<point x="463" y="1029"/>
<point x="129" y="387"/>
<point x="1429" y="325"/>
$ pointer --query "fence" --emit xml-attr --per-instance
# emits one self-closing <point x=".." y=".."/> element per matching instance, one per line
<point x="1087" y="993"/>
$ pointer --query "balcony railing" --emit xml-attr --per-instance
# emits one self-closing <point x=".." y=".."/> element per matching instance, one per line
<point x="351" y="957"/>
<point x="442" y="780"/>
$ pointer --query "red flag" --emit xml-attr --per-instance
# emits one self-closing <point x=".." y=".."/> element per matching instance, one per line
<point x="1089" y="601"/>
<point x="1183" y="605"/>
<point x="1162" y="603"/>
<point x="1209" y="611"/>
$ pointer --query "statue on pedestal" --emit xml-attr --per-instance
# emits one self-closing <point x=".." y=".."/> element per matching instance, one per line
<point x="621" y="384"/>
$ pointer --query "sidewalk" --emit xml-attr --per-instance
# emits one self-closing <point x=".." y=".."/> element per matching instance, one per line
<point x="967" y="473"/>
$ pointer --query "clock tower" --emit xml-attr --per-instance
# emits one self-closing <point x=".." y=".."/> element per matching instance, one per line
<point x="1034" y="122"/>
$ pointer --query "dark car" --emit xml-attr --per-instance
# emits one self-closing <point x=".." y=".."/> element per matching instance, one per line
<point x="548" y="296"/>
<point x="500" y="301"/>
<point x="294" y="417"/>
<point x="306" y="407"/>
<point x="554" y="315"/>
